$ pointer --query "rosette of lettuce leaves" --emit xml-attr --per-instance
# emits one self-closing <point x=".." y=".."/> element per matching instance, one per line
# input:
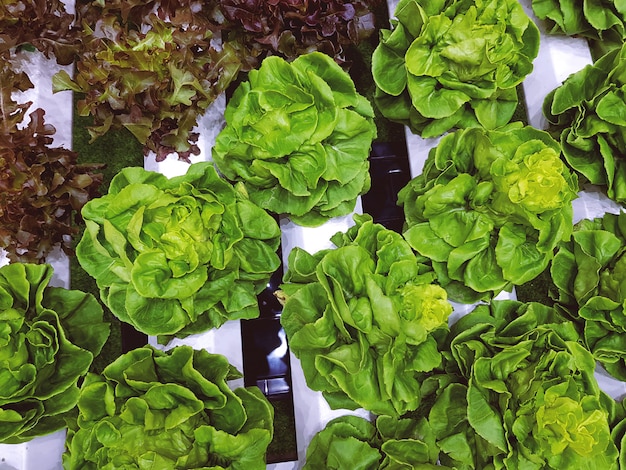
<point x="589" y="273"/>
<point x="49" y="337"/>
<point x="175" y="256"/>
<point x="489" y="209"/>
<point x="298" y="137"/>
<point x="364" y="319"/>
<point x="168" y="410"/>
<point x="453" y="64"/>
<point x="587" y="111"/>
<point x="531" y="399"/>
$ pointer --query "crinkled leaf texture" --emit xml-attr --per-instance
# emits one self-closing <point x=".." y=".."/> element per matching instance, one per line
<point x="169" y="410"/>
<point x="601" y="21"/>
<point x="181" y="255"/>
<point x="364" y="319"/>
<point x="45" y="25"/>
<point x="48" y="339"/>
<point x="290" y="29"/>
<point x="489" y="208"/>
<point x="587" y="111"/>
<point x="531" y="396"/>
<point x="42" y="188"/>
<point x="453" y="64"/>
<point x="589" y="272"/>
<point x="298" y="137"/>
<point x="154" y="75"/>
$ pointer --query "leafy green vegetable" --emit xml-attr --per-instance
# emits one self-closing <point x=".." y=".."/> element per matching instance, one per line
<point x="489" y="208"/>
<point x="601" y="21"/>
<point x="589" y="272"/>
<point x="154" y="78"/>
<point x="48" y="339"/>
<point x="453" y="64"/>
<point x="289" y="29"/>
<point x="587" y="111"/>
<point x="532" y="400"/>
<point x="168" y="410"/>
<point x="297" y="137"/>
<point x="178" y="256"/>
<point x="345" y="442"/>
<point x="364" y="319"/>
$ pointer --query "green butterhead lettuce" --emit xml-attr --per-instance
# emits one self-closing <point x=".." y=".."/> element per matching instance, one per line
<point x="48" y="339"/>
<point x="178" y="256"/>
<point x="168" y="410"/>
<point x="364" y="319"/>
<point x="298" y="137"/>
<point x="587" y="113"/>
<point x="589" y="272"/>
<point x="600" y="21"/>
<point x="531" y="391"/>
<point x="489" y="208"/>
<point x="345" y="442"/>
<point x="453" y="64"/>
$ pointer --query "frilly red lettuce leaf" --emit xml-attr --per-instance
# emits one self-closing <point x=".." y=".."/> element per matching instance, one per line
<point x="42" y="188"/>
<point x="291" y="28"/>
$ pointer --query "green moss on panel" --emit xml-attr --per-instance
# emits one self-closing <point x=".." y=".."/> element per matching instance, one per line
<point x="117" y="150"/>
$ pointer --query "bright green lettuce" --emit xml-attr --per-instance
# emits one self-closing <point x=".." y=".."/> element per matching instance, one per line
<point x="364" y="319"/>
<point x="168" y="410"/>
<point x="346" y="442"/>
<point x="589" y="273"/>
<point x="532" y="400"/>
<point x="298" y="136"/>
<point x="517" y="391"/>
<point x="600" y="21"/>
<point x="588" y="112"/>
<point x="489" y="208"/>
<point x="178" y="256"/>
<point x="453" y="64"/>
<point x="48" y="339"/>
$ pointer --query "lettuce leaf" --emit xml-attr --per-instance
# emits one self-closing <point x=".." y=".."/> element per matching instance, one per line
<point x="298" y="137"/>
<point x="170" y="409"/>
<point x="178" y="256"/>
<point x="364" y="319"/>
<point x="586" y="112"/>
<point x="489" y="209"/>
<point x="48" y="339"/>
<point x="453" y="64"/>
<point x="589" y="272"/>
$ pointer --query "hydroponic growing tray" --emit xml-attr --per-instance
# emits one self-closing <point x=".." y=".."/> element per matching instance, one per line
<point x="558" y="57"/>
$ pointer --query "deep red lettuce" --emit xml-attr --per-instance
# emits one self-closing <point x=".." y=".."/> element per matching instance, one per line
<point x="43" y="24"/>
<point x="290" y="28"/>
<point x="42" y="189"/>
<point x="151" y="68"/>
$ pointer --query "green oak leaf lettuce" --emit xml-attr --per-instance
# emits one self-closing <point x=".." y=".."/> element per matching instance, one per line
<point x="453" y="64"/>
<point x="298" y="137"/>
<point x="180" y="255"/>
<point x="489" y="208"/>
<point x="168" y="410"/>
<point x="48" y="339"/>
<point x="587" y="113"/>
<point x="589" y="272"/>
<point x="364" y="319"/>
